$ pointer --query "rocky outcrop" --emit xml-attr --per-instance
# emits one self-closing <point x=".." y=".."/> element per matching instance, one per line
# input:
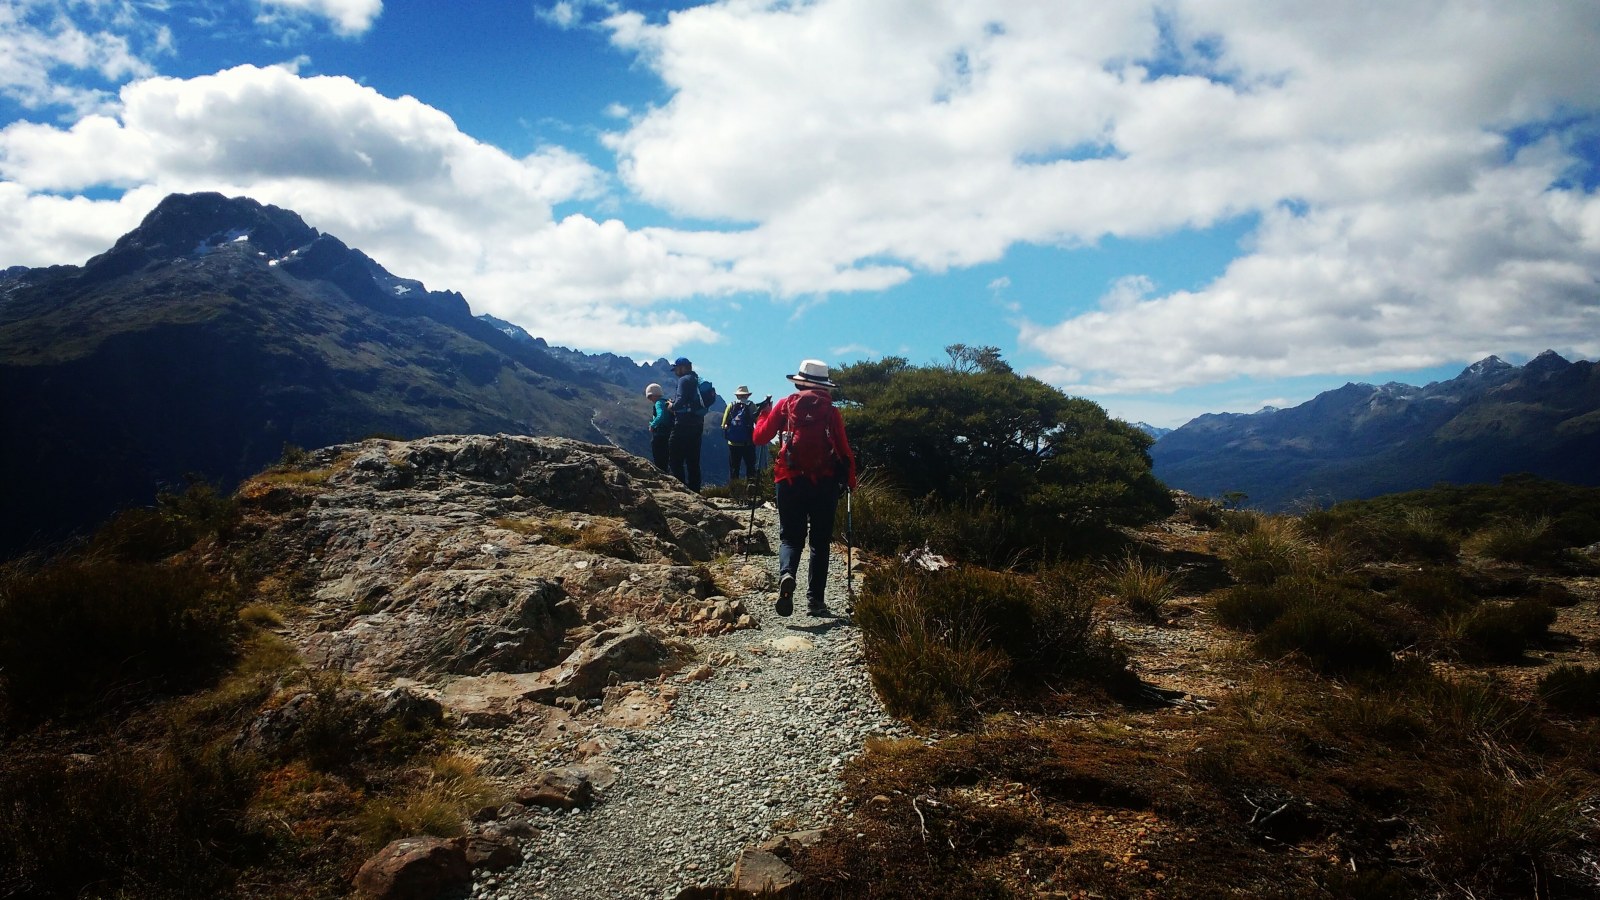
<point x="476" y="555"/>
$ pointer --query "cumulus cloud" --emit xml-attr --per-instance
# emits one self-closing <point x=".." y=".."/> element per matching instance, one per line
<point x="392" y="176"/>
<point x="1360" y="287"/>
<point x="1401" y="224"/>
<point x="37" y="42"/>
<point x="346" y="17"/>
<point x="1405" y="217"/>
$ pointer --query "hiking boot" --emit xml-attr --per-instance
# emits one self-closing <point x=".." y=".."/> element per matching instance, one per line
<point x="786" y="594"/>
<point x="818" y="609"/>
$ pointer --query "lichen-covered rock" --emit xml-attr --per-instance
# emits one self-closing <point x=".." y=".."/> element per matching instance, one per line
<point x="468" y="555"/>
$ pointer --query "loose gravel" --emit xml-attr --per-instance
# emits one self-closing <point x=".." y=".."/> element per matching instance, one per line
<point x="749" y="753"/>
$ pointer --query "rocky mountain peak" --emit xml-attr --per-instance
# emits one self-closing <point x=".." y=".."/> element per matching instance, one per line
<point x="1547" y="363"/>
<point x="184" y="224"/>
<point x="1488" y="366"/>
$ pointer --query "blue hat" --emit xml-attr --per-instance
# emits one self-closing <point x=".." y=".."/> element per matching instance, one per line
<point x="682" y="361"/>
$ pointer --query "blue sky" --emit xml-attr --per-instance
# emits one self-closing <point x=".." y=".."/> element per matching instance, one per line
<point x="1171" y="208"/>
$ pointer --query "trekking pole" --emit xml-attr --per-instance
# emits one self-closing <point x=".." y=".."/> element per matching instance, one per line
<point x="849" y="554"/>
<point x="749" y="533"/>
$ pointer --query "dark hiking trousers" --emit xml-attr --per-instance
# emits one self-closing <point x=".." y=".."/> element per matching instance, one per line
<point x="684" y="449"/>
<point x="742" y="453"/>
<point x="802" y="507"/>
<point x="660" y="438"/>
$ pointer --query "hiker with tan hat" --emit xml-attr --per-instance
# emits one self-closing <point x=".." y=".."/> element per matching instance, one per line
<point x="660" y="427"/>
<point x="738" y="429"/>
<point x="813" y="464"/>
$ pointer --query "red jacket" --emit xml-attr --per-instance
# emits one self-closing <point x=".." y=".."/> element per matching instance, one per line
<point x="772" y="422"/>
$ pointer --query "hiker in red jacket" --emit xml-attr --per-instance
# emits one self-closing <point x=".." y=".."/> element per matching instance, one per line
<point x="812" y="465"/>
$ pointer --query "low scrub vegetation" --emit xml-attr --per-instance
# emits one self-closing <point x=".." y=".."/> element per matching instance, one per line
<point x="132" y="673"/>
<point x="132" y="630"/>
<point x="1144" y="588"/>
<point x="1383" y="763"/>
<point x="945" y="646"/>
<point x="1572" y="689"/>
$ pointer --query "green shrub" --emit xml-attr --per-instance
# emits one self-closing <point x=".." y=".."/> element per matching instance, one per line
<point x="340" y="726"/>
<point x="174" y="524"/>
<point x="932" y="672"/>
<point x="1199" y="512"/>
<point x="1270" y="550"/>
<point x="1410" y="533"/>
<point x="1528" y="541"/>
<point x="83" y="631"/>
<point x="1239" y="521"/>
<point x="1067" y="636"/>
<point x="1334" y="639"/>
<point x="1491" y="833"/>
<point x="974" y="437"/>
<point x="1573" y="511"/>
<point x="1556" y="594"/>
<point x="449" y="791"/>
<point x="756" y="490"/>
<point x="1435" y="592"/>
<point x="969" y="531"/>
<point x="1501" y="632"/>
<point x="1572" y="689"/>
<point x="1472" y="712"/>
<point x="883" y="520"/>
<point x="1144" y="588"/>
<point x="164" y="822"/>
<point x="943" y="645"/>
<point x="1252" y="607"/>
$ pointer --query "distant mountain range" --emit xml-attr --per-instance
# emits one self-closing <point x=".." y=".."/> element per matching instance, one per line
<point x="1154" y="431"/>
<point x="221" y="330"/>
<point x="1362" y="440"/>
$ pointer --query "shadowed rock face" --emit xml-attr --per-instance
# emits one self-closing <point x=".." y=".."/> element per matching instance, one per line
<point x="475" y="556"/>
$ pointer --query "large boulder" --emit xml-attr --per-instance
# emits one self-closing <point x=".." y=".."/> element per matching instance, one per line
<point x="415" y="868"/>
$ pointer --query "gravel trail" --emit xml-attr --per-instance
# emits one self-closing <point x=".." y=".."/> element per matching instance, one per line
<point x="753" y="751"/>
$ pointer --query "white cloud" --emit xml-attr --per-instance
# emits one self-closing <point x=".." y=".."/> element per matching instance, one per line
<point x="1506" y="264"/>
<point x="38" y="42"/>
<point x="845" y="145"/>
<point x="347" y="17"/>
<point x="394" y="177"/>
<point x="848" y="137"/>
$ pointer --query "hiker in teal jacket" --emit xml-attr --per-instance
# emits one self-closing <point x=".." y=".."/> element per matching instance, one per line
<point x="688" y="421"/>
<point x="660" y="427"/>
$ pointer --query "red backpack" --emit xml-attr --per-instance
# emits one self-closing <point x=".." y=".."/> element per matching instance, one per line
<point x="807" y="436"/>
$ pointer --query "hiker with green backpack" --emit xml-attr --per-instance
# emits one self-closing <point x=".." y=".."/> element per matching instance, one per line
<point x="689" y="405"/>
<point x="812" y="465"/>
